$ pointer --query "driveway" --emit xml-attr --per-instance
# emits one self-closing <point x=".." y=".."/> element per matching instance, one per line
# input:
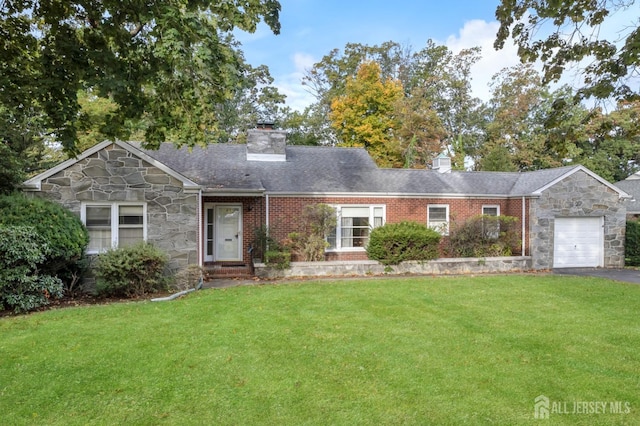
<point x="624" y="275"/>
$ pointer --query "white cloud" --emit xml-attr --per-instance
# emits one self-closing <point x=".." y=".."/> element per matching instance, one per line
<point x="298" y="98"/>
<point x="483" y="34"/>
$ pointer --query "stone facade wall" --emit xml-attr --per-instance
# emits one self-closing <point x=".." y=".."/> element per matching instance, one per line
<point x="579" y="195"/>
<point x="116" y="175"/>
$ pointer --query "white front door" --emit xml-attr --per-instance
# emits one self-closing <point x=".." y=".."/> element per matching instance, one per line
<point x="223" y="232"/>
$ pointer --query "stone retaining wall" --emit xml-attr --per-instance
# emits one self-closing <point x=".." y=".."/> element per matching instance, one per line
<point x="371" y="267"/>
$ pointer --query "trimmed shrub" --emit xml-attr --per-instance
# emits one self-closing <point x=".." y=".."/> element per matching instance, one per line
<point x="484" y="236"/>
<point x="632" y="244"/>
<point x="131" y="271"/>
<point x="22" y="287"/>
<point x="278" y="259"/>
<point x="64" y="233"/>
<point x="396" y="242"/>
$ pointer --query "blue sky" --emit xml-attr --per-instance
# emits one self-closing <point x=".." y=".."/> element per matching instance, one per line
<point x="312" y="28"/>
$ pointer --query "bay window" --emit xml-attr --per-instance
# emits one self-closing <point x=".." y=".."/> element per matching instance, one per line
<point x="353" y="226"/>
<point x="112" y="225"/>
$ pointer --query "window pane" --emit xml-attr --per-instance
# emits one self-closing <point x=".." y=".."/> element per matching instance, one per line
<point x="490" y="211"/>
<point x="131" y="215"/>
<point x="98" y="216"/>
<point x="331" y="239"/>
<point x="437" y="214"/>
<point x="129" y="236"/>
<point x="355" y="211"/>
<point x="355" y="231"/>
<point x="98" y="222"/>
<point x="131" y="229"/>
<point x="99" y="239"/>
<point x="437" y="219"/>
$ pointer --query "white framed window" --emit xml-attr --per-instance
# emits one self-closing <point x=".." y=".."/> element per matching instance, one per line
<point x="112" y="225"/>
<point x="491" y="210"/>
<point x="438" y="218"/>
<point x="354" y="224"/>
<point x="491" y="228"/>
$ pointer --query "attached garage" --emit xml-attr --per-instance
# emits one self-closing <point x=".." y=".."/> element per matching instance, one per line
<point x="578" y="242"/>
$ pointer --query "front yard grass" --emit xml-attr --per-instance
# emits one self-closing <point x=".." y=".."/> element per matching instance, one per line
<point x="451" y="350"/>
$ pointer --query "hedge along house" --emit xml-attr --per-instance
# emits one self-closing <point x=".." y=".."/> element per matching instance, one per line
<point x="203" y="206"/>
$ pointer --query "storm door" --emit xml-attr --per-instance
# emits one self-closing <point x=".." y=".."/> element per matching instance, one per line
<point x="223" y="232"/>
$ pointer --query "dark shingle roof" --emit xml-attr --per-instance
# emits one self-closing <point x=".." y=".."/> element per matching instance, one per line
<point x="631" y="187"/>
<point x="224" y="167"/>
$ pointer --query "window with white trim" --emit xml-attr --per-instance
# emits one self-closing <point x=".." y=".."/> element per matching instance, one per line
<point x="438" y="218"/>
<point x="112" y="225"/>
<point x="491" y="210"/>
<point x="491" y="228"/>
<point x="354" y="225"/>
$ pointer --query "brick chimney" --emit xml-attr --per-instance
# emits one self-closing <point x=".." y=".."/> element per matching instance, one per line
<point x="264" y="143"/>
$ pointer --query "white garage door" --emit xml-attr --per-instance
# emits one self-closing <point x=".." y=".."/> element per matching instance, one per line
<point x="578" y="242"/>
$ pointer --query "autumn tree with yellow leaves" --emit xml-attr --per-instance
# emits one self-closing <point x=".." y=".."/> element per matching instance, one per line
<point x="365" y="115"/>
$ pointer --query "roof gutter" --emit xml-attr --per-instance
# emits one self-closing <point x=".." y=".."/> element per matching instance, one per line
<point x="398" y="195"/>
<point x="229" y="192"/>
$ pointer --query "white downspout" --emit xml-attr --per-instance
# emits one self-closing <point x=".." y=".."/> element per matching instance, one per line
<point x="266" y="209"/>
<point x="200" y="231"/>
<point x="524" y="225"/>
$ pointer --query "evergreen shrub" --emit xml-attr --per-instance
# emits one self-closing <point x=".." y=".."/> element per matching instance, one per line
<point x="22" y="286"/>
<point x="484" y="236"/>
<point x="393" y="243"/>
<point x="632" y="243"/>
<point x="131" y="271"/>
<point x="65" y="235"/>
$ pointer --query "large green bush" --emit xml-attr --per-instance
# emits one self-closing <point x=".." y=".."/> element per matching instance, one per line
<point x="64" y="233"/>
<point x="22" y="286"/>
<point x="131" y="271"/>
<point x="396" y="242"/>
<point x="632" y="244"/>
<point x="484" y="236"/>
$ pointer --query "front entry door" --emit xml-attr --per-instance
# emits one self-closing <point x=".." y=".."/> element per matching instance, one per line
<point x="223" y="239"/>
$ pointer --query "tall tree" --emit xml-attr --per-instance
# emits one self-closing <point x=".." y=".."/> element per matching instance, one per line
<point x="517" y="123"/>
<point x="611" y="146"/>
<point x="364" y="115"/>
<point x="444" y="78"/>
<point x="434" y="73"/>
<point x="255" y="99"/>
<point x="610" y="68"/>
<point x="420" y="131"/>
<point x="169" y="63"/>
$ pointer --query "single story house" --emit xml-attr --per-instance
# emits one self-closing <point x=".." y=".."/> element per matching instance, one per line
<point x="204" y="205"/>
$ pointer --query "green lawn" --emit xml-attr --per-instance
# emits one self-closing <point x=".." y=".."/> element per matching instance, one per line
<point x="474" y="350"/>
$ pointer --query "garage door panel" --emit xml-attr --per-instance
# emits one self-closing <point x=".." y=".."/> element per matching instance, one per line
<point x="578" y="242"/>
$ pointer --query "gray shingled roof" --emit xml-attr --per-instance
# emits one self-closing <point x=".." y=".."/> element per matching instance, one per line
<point x="224" y="168"/>
<point x="631" y="187"/>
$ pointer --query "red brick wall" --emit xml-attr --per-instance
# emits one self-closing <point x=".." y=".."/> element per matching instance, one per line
<point x="285" y="213"/>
